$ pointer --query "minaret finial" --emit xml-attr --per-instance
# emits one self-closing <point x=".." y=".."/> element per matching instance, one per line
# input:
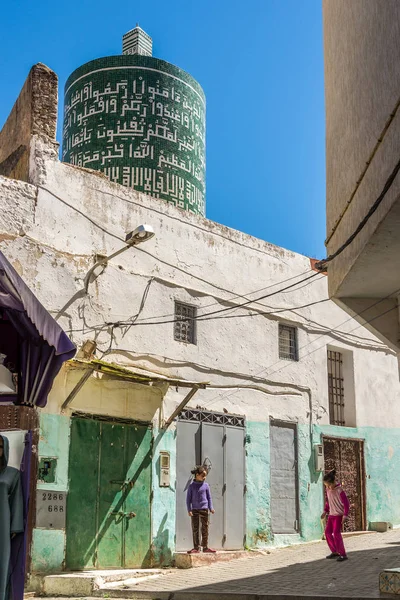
<point x="137" y="41"/>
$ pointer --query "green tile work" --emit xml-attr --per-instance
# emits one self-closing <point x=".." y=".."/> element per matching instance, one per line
<point x="141" y="121"/>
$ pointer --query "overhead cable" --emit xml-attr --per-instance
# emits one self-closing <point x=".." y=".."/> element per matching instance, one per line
<point x="205" y="316"/>
<point x="321" y="265"/>
<point x="287" y="364"/>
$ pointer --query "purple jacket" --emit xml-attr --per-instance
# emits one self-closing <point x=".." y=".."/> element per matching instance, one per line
<point x="198" y="496"/>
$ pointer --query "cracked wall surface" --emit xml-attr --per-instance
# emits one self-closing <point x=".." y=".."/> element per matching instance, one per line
<point x="34" y="116"/>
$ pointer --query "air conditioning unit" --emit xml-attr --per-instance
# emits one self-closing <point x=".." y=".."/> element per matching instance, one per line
<point x="319" y="457"/>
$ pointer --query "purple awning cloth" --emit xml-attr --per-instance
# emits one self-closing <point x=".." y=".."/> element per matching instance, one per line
<point x="44" y="347"/>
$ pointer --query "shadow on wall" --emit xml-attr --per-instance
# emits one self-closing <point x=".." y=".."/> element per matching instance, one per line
<point x="104" y="488"/>
<point x="160" y="551"/>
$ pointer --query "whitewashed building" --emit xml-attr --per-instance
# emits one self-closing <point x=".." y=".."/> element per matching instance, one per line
<point x="276" y="373"/>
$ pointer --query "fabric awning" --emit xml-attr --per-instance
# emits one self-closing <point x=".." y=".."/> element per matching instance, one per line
<point x="45" y="346"/>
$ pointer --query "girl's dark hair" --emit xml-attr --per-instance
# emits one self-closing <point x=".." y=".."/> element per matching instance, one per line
<point x="199" y="470"/>
<point x="331" y="476"/>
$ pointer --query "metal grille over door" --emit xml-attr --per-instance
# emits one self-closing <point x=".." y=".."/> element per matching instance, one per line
<point x="347" y="457"/>
<point x="216" y="440"/>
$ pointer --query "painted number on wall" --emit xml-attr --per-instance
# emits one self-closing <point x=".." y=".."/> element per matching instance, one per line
<point x="50" y="510"/>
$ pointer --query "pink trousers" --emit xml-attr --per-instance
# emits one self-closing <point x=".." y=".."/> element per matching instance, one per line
<point x="333" y="535"/>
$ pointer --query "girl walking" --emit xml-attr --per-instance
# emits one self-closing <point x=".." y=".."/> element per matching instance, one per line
<point x="199" y="504"/>
<point x="336" y="509"/>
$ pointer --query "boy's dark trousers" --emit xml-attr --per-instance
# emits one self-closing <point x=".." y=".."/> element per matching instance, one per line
<point x="200" y="516"/>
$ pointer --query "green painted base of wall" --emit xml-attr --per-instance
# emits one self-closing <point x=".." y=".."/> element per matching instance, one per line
<point x="54" y="443"/>
<point x="164" y="501"/>
<point x="382" y="468"/>
<point x="48" y="549"/>
<point x="382" y="463"/>
<point x="48" y="546"/>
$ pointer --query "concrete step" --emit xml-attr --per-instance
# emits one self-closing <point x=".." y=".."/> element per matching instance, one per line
<point x="183" y="560"/>
<point x="88" y="583"/>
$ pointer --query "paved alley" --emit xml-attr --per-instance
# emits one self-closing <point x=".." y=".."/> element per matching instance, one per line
<point x="297" y="571"/>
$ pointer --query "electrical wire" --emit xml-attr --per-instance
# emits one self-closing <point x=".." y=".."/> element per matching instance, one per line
<point x="202" y="317"/>
<point x="206" y="316"/>
<point x="368" y="163"/>
<point x="199" y="317"/>
<point x="321" y="265"/>
<point x="292" y="285"/>
<point x="245" y="296"/>
<point x="122" y="239"/>
<point x="269" y="374"/>
<point x="212" y="318"/>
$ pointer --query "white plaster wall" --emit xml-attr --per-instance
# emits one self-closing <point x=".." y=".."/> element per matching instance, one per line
<point x="78" y="214"/>
<point x="102" y="395"/>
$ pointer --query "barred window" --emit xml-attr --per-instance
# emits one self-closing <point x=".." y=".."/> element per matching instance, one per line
<point x="185" y="325"/>
<point x="288" y="342"/>
<point x="336" y="388"/>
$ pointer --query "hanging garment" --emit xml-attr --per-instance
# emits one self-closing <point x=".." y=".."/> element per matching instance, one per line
<point x="11" y="515"/>
<point x="6" y="381"/>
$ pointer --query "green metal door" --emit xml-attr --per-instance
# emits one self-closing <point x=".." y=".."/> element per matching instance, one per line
<point x="108" y="508"/>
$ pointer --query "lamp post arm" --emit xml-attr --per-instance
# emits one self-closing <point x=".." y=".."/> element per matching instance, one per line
<point x="103" y="261"/>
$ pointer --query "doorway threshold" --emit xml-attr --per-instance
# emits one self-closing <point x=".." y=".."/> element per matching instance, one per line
<point x="183" y="560"/>
<point x="355" y="533"/>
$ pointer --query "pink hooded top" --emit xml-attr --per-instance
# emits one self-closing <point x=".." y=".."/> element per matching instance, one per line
<point x="337" y="503"/>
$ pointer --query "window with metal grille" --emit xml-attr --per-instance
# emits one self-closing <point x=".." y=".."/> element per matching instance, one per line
<point x="336" y="388"/>
<point x="288" y="342"/>
<point x="185" y="323"/>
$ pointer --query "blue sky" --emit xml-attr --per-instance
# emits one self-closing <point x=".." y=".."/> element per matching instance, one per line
<point x="260" y="63"/>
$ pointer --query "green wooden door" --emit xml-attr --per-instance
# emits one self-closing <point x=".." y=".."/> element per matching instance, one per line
<point x="110" y="482"/>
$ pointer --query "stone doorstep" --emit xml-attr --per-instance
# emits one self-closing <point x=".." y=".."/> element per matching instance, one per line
<point x="183" y="560"/>
<point x="85" y="583"/>
<point x="347" y="534"/>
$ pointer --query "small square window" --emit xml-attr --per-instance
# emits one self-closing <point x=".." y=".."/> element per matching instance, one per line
<point x="288" y="342"/>
<point x="185" y="323"/>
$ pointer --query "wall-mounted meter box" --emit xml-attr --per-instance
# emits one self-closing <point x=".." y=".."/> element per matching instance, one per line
<point x="165" y="469"/>
<point x="319" y="457"/>
<point x="47" y="470"/>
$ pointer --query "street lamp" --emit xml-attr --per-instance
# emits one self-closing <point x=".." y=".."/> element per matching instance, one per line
<point x="133" y="238"/>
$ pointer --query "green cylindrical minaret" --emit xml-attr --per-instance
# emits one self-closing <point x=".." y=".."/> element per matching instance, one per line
<point x="141" y="121"/>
